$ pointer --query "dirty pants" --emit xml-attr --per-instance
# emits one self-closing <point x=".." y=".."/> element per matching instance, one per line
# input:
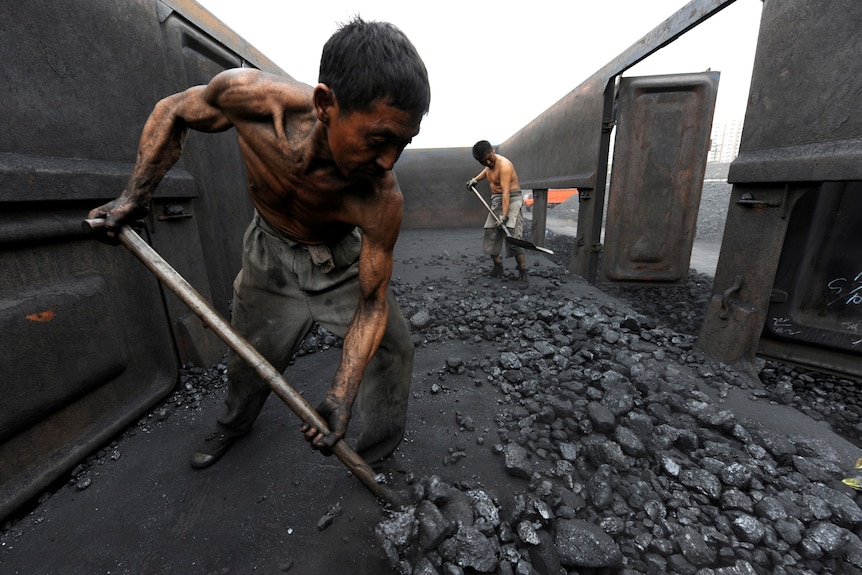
<point x="278" y="294"/>
<point x="494" y="239"/>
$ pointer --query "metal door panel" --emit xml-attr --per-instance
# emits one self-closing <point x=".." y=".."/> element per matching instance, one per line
<point x="663" y="129"/>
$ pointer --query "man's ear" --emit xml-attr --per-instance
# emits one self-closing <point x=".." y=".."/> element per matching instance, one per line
<point x="325" y="102"/>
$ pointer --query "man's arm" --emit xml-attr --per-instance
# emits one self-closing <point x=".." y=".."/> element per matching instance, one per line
<point x="369" y="322"/>
<point x="160" y="147"/>
<point x="482" y="175"/>
<point x="233" y="95"/>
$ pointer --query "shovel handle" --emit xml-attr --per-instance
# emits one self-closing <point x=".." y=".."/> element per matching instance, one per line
<point x="490" y="211"/>
<point x="487" y="207"/>
<point x="296" y="402"/>
<point x="521" y="243"/>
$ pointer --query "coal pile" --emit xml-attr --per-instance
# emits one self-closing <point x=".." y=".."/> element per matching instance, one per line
<point x="604" y="446"/>
<point x="632" y="464"/>
<point x="821" y="396"/>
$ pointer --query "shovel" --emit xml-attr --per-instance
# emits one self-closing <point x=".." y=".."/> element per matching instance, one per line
<point x="298" y="404"/>
<point x="514" y="241"/>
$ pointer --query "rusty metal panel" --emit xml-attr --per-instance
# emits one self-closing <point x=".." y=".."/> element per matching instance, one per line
<point x="663" y="129"/>
<point x="817" y="292"/>
<point x="50" y="326"/>
<point x="560" y="148"/>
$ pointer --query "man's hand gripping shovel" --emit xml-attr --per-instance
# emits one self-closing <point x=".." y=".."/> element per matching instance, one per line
<point x="514" y="241"/>
<point x="177" y="284"/>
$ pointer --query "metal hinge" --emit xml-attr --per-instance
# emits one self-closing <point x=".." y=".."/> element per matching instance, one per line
<point x="747" y="199"/>
<point x="173" y="212"/>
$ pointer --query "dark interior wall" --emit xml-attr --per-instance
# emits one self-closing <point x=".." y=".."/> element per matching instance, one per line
<point x="83" y="81"/>
<point x="433" y="183"/>
<point x="89" y="340"/>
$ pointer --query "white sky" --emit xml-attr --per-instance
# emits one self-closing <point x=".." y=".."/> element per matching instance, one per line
<point x="494" y="68"/>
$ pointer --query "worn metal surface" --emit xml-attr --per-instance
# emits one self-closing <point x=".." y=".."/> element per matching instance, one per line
<point x="803" y="128"/>
<point x="804" y="117"/>
<point x="80" y="359"/>
<point x="433" y="183"/>
<point x="816" y="298"/>
<point x="89" y="340"/>
<point x="662" y="140"/>
<point x="750" y="249"/>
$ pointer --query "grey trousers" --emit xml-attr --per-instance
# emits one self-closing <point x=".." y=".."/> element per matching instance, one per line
<point x="278" y="294"/>
<point x="493" y="239"/>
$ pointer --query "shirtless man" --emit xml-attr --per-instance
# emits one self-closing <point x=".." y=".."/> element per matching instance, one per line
<point x="319" y="166"/>
<point x="506" y="202"/>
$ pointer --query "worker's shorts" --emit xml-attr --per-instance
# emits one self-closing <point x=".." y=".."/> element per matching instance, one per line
<point x="494" y="239"/>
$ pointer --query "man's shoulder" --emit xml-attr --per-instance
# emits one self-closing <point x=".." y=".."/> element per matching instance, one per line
<point x="386" y="189"/>
<point x="504" y="165"/>
<point x="382" y="199"/>
<point x="251" y="76"/>
<point x="256" y="81"/>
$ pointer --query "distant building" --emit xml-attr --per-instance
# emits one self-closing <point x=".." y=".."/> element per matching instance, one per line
<point x="725" y="139"/>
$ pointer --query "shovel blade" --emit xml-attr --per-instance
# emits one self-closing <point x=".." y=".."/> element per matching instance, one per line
<point x="527" y="245"/>
<point x="514" y="241"/>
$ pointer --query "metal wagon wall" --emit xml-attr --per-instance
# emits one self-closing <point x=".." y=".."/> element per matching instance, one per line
<point x="787" y="280"/>
<point x="88" y="339"/>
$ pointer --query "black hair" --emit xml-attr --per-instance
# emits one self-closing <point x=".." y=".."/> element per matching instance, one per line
<point x="366" y="61"/>
<point x="481" y="149"/>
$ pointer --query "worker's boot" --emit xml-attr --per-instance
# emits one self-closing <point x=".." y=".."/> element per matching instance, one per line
<point x="522" y="276"/>
<point x="213" y="447"/>
<point x="497" y="271"/>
